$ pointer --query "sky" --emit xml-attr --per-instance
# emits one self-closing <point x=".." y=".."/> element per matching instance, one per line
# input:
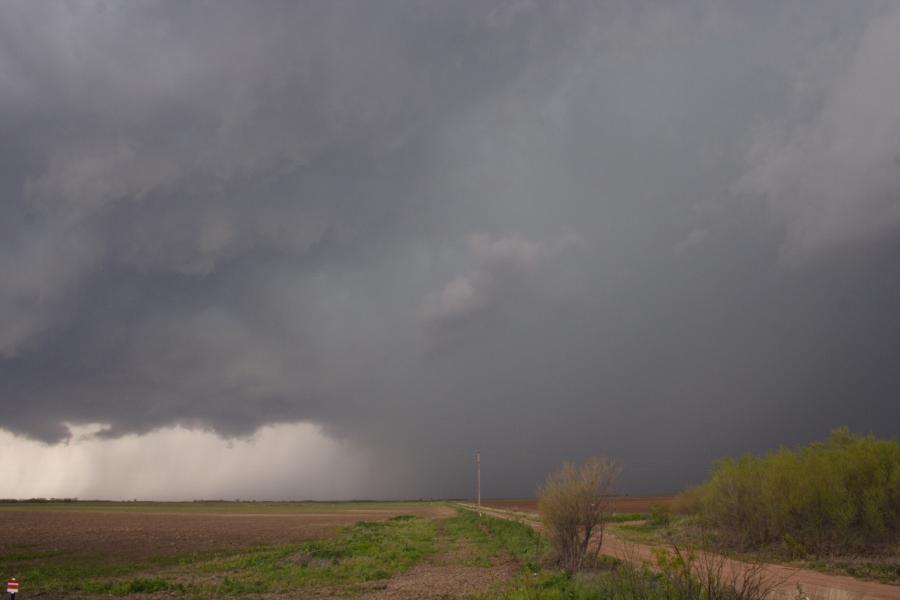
<point x="329" y="249"/>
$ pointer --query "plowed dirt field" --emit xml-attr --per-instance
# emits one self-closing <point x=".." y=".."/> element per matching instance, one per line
<point x="136" y="535"/>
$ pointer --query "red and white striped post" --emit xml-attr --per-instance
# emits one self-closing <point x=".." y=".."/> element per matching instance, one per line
<point x="12" y="587"/>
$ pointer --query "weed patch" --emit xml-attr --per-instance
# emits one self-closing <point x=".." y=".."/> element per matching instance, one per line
<point x="491" y="537"/>
<point x="626" y="517"/>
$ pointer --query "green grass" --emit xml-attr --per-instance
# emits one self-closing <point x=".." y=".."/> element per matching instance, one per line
<point x="655" y="531"/>
<point x="137" y="585"/>
<point x="645" y="533"/>
<point x="491" y="537"/>
<point x="363" y="552"/>
<point x="211" y="506"/>
<point x="554" y="585"/>
<point x="60" y="572"/>
<point x="626" y="517"/>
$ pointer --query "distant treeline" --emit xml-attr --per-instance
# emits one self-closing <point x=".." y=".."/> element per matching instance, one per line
<point x="35" y="500"/>
<point x="837" y="496"/>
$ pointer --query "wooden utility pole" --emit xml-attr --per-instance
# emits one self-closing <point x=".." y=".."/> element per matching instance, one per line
<point x="478" y="475"/>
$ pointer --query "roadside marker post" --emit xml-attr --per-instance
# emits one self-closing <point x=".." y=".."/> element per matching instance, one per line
<point x="12" y="587"/>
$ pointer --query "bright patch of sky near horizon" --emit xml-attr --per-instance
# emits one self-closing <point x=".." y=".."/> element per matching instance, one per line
<point x="179" y="464"/>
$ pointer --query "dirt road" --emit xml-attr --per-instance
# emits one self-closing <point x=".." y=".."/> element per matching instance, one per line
<point x="816" y="585"/>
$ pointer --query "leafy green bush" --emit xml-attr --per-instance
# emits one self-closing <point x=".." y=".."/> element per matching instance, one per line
<point x="660" y="516"/>
<point x="840" y="495"/>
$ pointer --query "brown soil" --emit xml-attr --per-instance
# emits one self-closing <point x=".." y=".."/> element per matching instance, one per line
<point x="141" y="535"/>
<point x="620" y="504"/>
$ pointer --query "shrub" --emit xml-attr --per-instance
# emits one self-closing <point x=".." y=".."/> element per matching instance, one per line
<point x="574" y="507"/>
<point x="839" y="495"/>
<point x="660" y="516"/>
<point x="687" y="574"/>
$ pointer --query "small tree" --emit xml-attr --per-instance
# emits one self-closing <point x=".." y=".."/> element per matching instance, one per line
<point x="574" y="503"/>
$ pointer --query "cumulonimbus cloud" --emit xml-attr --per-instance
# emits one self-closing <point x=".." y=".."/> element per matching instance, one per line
<point x="355" y="215"/>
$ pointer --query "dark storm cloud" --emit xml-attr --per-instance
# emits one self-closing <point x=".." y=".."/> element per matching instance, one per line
<point x="660" y="231"/>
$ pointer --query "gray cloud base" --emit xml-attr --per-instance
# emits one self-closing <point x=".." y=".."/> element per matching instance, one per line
<point x="660" y="231"/>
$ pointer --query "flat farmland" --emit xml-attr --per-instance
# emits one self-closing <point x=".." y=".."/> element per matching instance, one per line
<point x="360" y="550"/>
<point x="212" y="550"/>
<point x="620" y="504"/>
<point x="137" y="530"/>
